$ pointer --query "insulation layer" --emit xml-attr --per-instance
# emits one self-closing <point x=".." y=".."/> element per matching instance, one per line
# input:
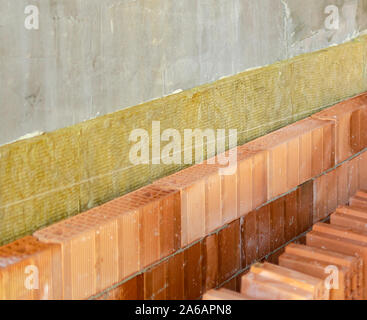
<point x="59" y="174"/>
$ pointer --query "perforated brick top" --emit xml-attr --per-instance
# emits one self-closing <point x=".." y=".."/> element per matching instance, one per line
<point x="19" y="250"/>
<point x="187" y="177"/>
<point x="97" y="217"/>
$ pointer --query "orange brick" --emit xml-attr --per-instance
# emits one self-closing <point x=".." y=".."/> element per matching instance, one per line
<point x="277" y="214"/>
<point x="317" y="269"/>
<point x="353" y="174"/>
<point x="197" y="216"/>
<point x="132" y="289"/>
<point x="325" y="195"/>
<point x="229" y="251"/>
<point x="223" y="294"/>
<point x="340" y="241"/>
<point x="322" y="255"/>
<point x="342" y="174"/>
<point x="291" y="216"/>
<point x="358" y="202"/>
<point x="193" y="277"/>
<point x="353" y="210"/>
<point x="329" y="145"/>
<point x="18" y="261"/>
<point x="176" y="277"/>
<point x="250" y="241"/>
<point x="350" y="132"/>
<point x="349" y="221"/>
<point x="317" y="164"/>
<point x="363" y="170"/>
<point x="107" y="244"/>
<point x="245" y="183"/>
<point x="293" y="278"/>
<point x="210" y="262"/>
<point x="305" y="207"/>
<point x="305" y="169"/>
<point x="229" y="198"/>
<point x="213" y="203"/>
<point x="263" y="228"/>
<point x="260" y="179"/>
<point x="259" y="287"/>
<point x="156" y="282"/>
<point x="293" y="163"/>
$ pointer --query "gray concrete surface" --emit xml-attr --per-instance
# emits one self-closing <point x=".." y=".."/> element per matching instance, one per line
<point x="92" y="57"/>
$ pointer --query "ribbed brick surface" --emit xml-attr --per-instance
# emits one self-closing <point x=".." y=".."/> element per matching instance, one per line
<point x="15" y="260"/>
<point x="107" y="244"/>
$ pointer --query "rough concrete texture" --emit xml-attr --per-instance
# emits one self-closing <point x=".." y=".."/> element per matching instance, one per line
<point x="62" y="173"/>
<point x="316" y="24"/>
<point x="92" y="57"/>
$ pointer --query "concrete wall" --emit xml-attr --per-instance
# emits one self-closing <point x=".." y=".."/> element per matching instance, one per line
<point x="93" y="57"/>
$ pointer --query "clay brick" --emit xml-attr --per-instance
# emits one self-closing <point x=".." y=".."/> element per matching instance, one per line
<point x="305" y="207"/>
<point x="249" y="240"/>
<point x="277" y="214"/>
<point x="363" y="170"/>
<point x="199" y="210"/>
<point x="129" y="248"/>
<point x="149" y="226"/>
<point x="318" y="269"/>
<point x="291" y="216"/>
<point x="358" y="202"/>
<point x="342" y="173"/>
<point x="156" y="282"/>
<point x="361" y="194"/>
<point x="210" y="262"/>
<point x="293" y="278"/>
<point x="342" y="244"/>
<point x="79" y="255"/>
<point x="15" y="260"/>
<point x="350" y="132"/>
<point x="305" y="168"/>
<point x="132" y="289"/>
<point x="353" y="175"/>
<point x="149" y="234"/>
<point x="260" y="179"/>
<point x="326" y="255"/>
<point x="213" y="203"/>
<point x="349" y="221"/>
<point x="193" y="277"/>
<point x="107" y="244"/>
<point x="293" y="163"/>
<point x="259" y="287"/>
<point x="245" y="183"/>
<point x="176" y="277"/>
<point x="229" y="246"/>
<point x="278" y="170"/>
<point x="223" y="294"/>
<point x="229" y="198"/>
<point x="317" y="164"/>
<point x="352" y="210"/>
<point x="263" y="228"/>
<point x="329" y="146"/>
<point x="325" y="195"/>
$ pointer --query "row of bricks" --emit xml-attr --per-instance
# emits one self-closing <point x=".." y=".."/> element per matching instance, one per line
<point x="342" y="244"/>
<point x="109" y="243"/>
<point x="205" y="265"/>
<point x="330" y="189"/>
<point x="222" y="256"/>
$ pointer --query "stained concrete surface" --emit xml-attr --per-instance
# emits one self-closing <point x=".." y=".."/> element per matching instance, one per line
<point x="93" y="57"/>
